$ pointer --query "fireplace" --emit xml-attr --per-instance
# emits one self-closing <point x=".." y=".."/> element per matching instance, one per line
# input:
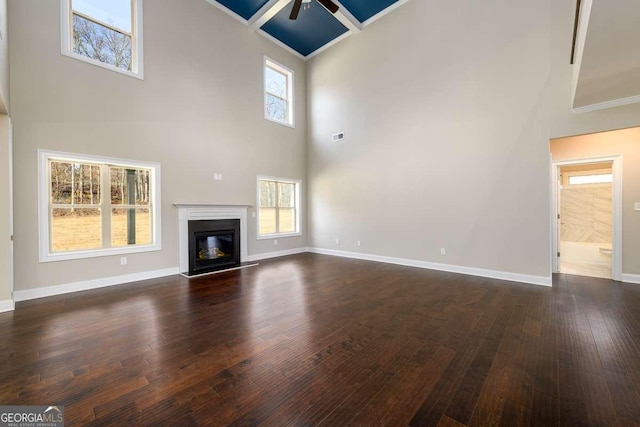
<point x="203" y="213"/>
<point x="213" y="245"/>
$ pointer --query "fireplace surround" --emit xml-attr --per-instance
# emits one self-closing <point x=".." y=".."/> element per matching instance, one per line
<point x="201" y="214"/>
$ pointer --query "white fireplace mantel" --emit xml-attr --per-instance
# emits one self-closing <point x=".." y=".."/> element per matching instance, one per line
<point x="195" y="212"/>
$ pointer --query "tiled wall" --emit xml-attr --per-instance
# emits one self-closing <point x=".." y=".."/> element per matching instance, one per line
<point x="586" y="214"/>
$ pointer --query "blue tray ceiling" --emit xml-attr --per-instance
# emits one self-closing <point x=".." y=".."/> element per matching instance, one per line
<point x="365" y="9"/>
<point x="315" y="27"/>
<point x="244" y="8"/>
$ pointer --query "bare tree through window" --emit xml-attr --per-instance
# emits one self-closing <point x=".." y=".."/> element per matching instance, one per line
<point x="101" y="43"/>
<point x="278" y="92"/>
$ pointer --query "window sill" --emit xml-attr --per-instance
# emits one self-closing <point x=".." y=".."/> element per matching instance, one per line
<point x="278" y="235"/>
<point x="289" y="125"/>
<point x="138" y="75"/>
<point x="97" y="253"/>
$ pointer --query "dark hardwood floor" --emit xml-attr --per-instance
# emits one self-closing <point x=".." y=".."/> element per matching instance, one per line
<point x="312" y="339"/>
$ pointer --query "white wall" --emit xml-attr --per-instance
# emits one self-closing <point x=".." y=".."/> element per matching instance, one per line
<point x="198" y="111"/>
<point x="442" y="105"/>
<point x="6" y="262"/>
<point x="6" y="266"/>
<point x="4" y="59"/>
<point x="447" y="108"/>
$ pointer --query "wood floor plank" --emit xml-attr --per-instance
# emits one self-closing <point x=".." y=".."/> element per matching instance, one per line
<point x="544" y="410"/>
<point x="318" y="340"/>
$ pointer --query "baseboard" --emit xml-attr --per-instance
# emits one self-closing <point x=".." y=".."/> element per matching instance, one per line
<point x="7" y="305"/>
<point x="30" y="294"/>
<point x="267" y="255"/>
<point x="631" y="278"/>
<point x="471" y="271"/>
<point x="91" y="284"/>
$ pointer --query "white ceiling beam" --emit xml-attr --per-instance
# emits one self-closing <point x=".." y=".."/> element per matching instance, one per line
<point x="346" y="18"/>
<point x="581" y="38"/>
<point x="266" y="12"/>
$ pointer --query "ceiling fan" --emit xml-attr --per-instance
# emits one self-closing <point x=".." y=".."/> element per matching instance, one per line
<point x="331" y="7"/>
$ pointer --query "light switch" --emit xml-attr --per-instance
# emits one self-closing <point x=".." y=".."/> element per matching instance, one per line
<point x="636" y="206"/>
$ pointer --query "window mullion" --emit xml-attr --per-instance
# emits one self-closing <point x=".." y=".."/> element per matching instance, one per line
<point x="50" y="206"/>
<point x="277" y="199"/>
<point x="101" y="23"/>
<point x="296" y="204"/>
<point x="105" y="205"/>
<point x="277" y="96"/>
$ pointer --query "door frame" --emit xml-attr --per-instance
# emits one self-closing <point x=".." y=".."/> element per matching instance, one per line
<point x="616" y="190"/>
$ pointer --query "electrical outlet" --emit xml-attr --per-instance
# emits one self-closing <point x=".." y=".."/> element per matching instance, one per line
<point x="337" y="137"/>
<point x="337" y="241"/>
<point x="123" y="260"/>
<point x="358" y="243"/>
<point x="275" y="242"/>
<point x="443" y="251"/>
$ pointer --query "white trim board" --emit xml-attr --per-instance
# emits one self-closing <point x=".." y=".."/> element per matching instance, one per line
<point x="228" y="11"/>
<point x="7" y="305"/>
<point x="86" y="285"/>
<point x="388" y="10"/>
<point x="581" y="37"/>
<point x="328" y="45"/>
<point x="30" y="294"/>
<point x="470" y="271"/>
<point x="607" y="104"/>
<point x="631" y="278"/>
<point x="282" y="45"/>
<point x="272" y="7"/>
<point x="266" y="12"/>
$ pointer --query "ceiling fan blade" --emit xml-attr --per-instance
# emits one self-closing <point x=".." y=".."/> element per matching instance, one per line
<point x="296" y="8"/>
<point x="331" y="6"/>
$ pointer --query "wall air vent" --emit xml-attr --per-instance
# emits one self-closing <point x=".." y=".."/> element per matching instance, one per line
<point x="337" y="137"/>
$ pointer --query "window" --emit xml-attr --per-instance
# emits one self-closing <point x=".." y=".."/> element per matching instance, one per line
<point x="92" y="206"/>
<point x="278" y="207"/>
<point x="592" y="176"/>
<point x="106" y="33"/>
<point x="278" y="93"/>
<point x="590" y="179"/>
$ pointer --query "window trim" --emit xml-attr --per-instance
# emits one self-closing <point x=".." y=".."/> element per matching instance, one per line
<point x="298" y="192"/>
<point x="44" y="231"/>
<point x="137" y="66"/>
<point x="268" y="62"/>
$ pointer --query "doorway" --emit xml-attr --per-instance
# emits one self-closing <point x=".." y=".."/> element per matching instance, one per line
<point x="587" y="210"/>
<point x="585" y="224"/>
